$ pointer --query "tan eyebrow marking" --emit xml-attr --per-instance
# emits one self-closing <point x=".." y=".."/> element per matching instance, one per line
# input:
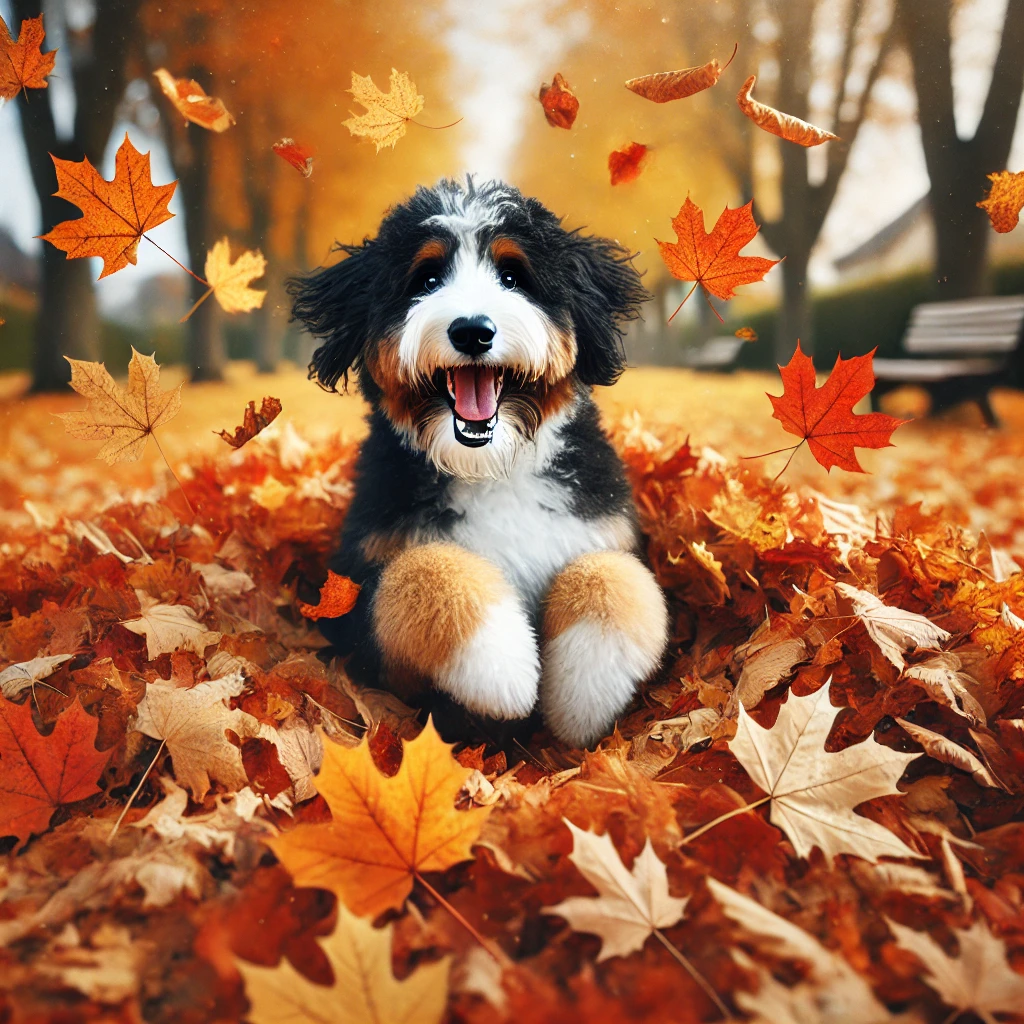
<point x="507" y="249"/>
<point x="431" y="249"/>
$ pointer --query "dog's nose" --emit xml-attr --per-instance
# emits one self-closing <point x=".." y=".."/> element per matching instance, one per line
<point x="472" y="335"/>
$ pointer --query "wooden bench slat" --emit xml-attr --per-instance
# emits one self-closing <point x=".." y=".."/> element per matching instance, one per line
<point x="972" y="307"/>
<point x="961" y="343"/>
<point x="927" y="370"/>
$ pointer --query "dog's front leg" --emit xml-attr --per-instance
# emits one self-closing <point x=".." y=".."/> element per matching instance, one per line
<point x="605" y="628"/>
<point x="450" y="615"/>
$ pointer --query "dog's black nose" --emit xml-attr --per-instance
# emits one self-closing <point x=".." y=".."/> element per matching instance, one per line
<point x="472" y="335"/>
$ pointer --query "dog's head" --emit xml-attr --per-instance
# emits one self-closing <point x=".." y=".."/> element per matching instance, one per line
<point x="473" y="318"/>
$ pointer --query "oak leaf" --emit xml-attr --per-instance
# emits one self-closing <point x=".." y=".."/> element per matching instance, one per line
<point x="253" y="422"/>
<point x="713" y="259"/>
<point x="124" y="418"/>
<point x="230" y="282"/>
<point x="824" y="417"/>
<point x="785" y="126"/>
<point x="559" y="102"/>
<point x="632" y="905"/>
<point x="384" y="831"/>
<point x="298" y="155"/>
<point x="1005" y="200"/>
<point x="979" y="980"/>
<point x="387" y="113"/>
<point x="813" y="792"/>
<point x="190" y="100"/>
<point x="365" y="990"/>
<point x="116" y="213"/>
<point x="169" y="627"/>
<point x="24" y="674"/>
<point x="40" y="773"/>
<point x="625" y="164"/>
<point x="337" y="597"/>
<point x="894" y="630"/>
<point x="676" y="85"/>
<point x="23" y="65"/>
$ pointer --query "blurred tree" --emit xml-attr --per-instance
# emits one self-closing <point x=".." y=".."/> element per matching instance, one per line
<point x="957" y="166"/>
<point x="67" y="322"/>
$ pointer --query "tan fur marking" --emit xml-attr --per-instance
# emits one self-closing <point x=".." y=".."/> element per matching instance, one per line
<point x="507" y="249"/>
<point x="561" y="357"/>
<point x="609" y="587"/>
<point x="430" y="601"/>
<point x="432" y="249"/>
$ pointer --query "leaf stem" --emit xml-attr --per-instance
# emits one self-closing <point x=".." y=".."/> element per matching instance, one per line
<point x="437" y="127"/>
<point x="713" y="310"/>
<point x="180" y="264"/>
<point x="145" y="774"/>
<point x="202" y="298"/>
<point x="735" y="47"/>
<point x="723" y="817"/>
<point x="170" y="470"/>
<point x="496" y="954"/>
<point x="695" y="974"/>
<point x="683" y="303"/>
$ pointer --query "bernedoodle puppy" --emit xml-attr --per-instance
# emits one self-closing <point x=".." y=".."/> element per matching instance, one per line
<point x="492" y="527"/>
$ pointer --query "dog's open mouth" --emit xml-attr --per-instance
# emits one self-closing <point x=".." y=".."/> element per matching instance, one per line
<point x="473" y="393"/>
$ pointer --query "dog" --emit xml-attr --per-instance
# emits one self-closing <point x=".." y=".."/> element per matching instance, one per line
<point x="492" y="528"/>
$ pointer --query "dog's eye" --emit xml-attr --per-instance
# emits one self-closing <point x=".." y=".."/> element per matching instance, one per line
<point x="430" y="283"/>
<point x="508" y="279"/>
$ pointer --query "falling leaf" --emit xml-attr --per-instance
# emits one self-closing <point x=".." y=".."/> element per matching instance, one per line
<point x="945" y="750"/>
<point x="713" y="260"/>
<point x="559" y="102"/>
<point x="384" y="831"/>
<point x="824" y="417"/>
<point x="41" y="773"/>
<point x="365" y="991"/>
<point x="387" y="113"/>
<point x="299" y="156"/>
<point x="1005" y="200"/>
<point x="785" y="126"/>
<point x="116" y="213"/>
<point x="337" y="597"/>
<point x="123" y="418"/>
<point x="895" y="630"/>
<point x="625" y="164"/>
<point x="980" y="980"/>
<point x="21" y="676"/>
<point x="22" y="64"/>
<point x="253" y="422"/>
<point x="677" y="85"/>
<point x="813" y="792"/>
<point x="192" y="721"/>
<point x="746" y="334"/>
<point x="190" y="100"/>
<point x="630" y="906"/>
<point x="230" y="281"/>
<point x="169" y="627"/>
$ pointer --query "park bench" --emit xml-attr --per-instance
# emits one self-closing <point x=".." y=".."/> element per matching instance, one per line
<point x="958" y="351"/>
<point x="713" y="354"/>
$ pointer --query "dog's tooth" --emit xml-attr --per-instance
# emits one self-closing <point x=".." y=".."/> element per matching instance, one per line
<point x="461" y="424"/>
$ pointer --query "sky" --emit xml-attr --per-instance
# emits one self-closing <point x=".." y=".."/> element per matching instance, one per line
<point x="504" y="43"/>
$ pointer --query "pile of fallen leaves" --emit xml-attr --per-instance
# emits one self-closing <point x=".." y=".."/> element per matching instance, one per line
<point x="813" y="813"/>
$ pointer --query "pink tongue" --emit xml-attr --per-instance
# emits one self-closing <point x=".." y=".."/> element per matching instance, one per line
<point x="475" y="398"/>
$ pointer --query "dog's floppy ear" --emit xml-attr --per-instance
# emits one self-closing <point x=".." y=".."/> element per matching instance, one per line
<point x="335" y="304"/>
<point x="606" y="294"/>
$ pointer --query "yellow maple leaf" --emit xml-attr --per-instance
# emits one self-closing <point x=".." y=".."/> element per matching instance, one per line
<point x="384" y="831"/>
<point x="365" y="990"/>
<point x="386" y="112"/>
<point x="124" y="418"/>
<point x="230" y="281"/>
<point x="1005" y="200"/>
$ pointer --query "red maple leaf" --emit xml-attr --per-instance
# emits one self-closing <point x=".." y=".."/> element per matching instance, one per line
<point x="337" y="597"/>
<point x="824" y="417"/>
<point x="626" y="164"/>
<point x="39" y="773"/>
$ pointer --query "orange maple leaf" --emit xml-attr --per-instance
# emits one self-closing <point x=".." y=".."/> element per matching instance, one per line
<point x="23" y="65"/>
<point x="116" y="213"/>
<point x="824" y="417"/>
<point x="559" y="102"/>
<point x="253" y="422"/>
<point x="337" y="596"/>
<point x="42" y="772"/>
<point x="384" y="831"/>
<point x="192" y="102"/>
<point x="1005" y="200"/>
<point x="713" y="260"/>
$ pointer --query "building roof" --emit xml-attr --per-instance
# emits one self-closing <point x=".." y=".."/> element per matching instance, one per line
<point x="880" y="242"/>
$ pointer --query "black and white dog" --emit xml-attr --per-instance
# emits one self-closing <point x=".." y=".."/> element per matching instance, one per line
<point x="492" y="527"/>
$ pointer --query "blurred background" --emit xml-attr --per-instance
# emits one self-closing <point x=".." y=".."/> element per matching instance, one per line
<point x="855" y="219"/>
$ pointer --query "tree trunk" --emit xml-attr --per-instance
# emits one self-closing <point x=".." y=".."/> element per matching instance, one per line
<point x="270" y="325"/>
<point x="962" y="233"/>
<point x="794" y="321"/>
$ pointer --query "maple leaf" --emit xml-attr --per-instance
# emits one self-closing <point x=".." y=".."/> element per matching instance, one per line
<point x="785" y="126"/>
<point x="895" y="630"/>
<point x="230" y="282"/>
<point x="559" y="102"/>
<point x="813" y="792"/>
<point x="676" y="85"/>
<point x="625" y="164"/>
<point x="337" y="597"/>
<point x="943" y="679"/>
<point x="387" y="113"/>
<point x="365" y="991"/>
<point x="123" y="418"/>
<point x="746" y="334"/>
<point x="169" y="627"/>
<point x="713" y="260"/>
<point x="40" y="773"/>
<point x="979" y="980"/>
<point x="824" y="417"/>
<point x="22" y="64"/>
<point x="190" y="100"/>
<point x="945" y="750"/>
<point x="632" y="905"/>
<point x="116" y="213"/>
<point x="1005" y="200"/>
<point x="384" y="831"/>
<point x="299" y="156"/>
<point x="253" y="422"/>
<point x="21" y="676"/>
